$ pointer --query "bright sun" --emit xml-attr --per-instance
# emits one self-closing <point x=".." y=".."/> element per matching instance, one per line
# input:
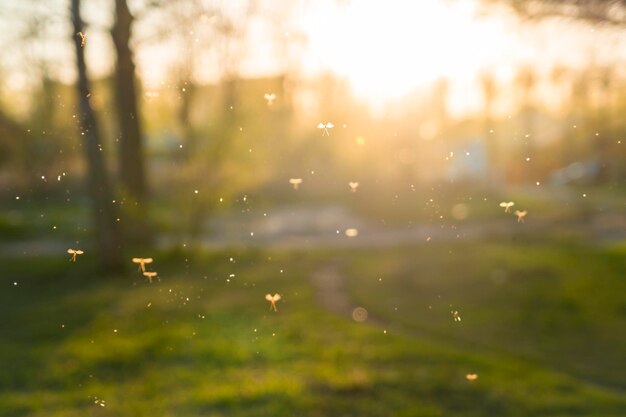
<point x="385" y="49"/>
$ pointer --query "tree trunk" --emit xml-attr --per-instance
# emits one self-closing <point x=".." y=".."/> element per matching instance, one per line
<point x="104" y="213"/>
<point x="131" y="156"/>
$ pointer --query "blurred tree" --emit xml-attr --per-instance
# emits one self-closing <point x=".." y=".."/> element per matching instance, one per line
<point x="489" y="89"/>
<point x="611" y="12"/>
<point x="215" y="161"/>
<point x="526" y="81"/>
<point x="561" y="78"/>
<point x="603" y="124"/>
<point x="33" y="140"/>
<point x="12" y="152"/>
<point x="104" y="213"/>
<point x="131" y="154"/>
<point x="608" y="12"/>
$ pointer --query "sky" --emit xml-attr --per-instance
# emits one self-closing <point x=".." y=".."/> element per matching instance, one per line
<point x="384" y="49"/>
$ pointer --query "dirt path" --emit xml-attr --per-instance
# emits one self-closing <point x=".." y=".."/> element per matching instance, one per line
<point x="330" y="291"/>
<point x="324" y="227"/>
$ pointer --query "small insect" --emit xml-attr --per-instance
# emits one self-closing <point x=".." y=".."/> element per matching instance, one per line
<point x="295" y="182"/>
<point x="326" y="126"/>
<point x="149" y="275"/>
<point x="520" y="215"/>
<point x="270" y="97"/>
<point x="455" y="315"/>
<point x="83" y="38"/>
<point x="142" y="263"/>
<point x="507" y="205"/>
<point x="353" y="186"/>
<point x="272" y="299"/>
<point x="351" y="232"/>
<point x="74" y="252"/>
<point x="471" y="377"/>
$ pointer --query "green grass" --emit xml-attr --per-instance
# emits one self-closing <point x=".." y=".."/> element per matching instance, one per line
<point x="54" y="220"/>
<point x="540" y="326"/>
<point x="560" y="306"/>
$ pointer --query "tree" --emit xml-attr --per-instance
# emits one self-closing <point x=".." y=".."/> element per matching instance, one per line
<point x="131" y="154"/>
<point x="611" y="12"/>
<point x="526" y="81"/>
<point x="604" y="120"/>
<point x="12" y="150"/>
<point x="104" y="213"/>
<point x="608" y="12"/>
<point x="489" y="87"/>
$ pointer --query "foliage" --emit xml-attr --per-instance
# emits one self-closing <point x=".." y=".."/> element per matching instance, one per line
<point x="595" y="11"/>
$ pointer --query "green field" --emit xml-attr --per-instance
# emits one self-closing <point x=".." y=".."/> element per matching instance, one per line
<point x="542" y="325"/>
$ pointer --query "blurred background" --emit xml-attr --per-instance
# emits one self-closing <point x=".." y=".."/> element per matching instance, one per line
<point x="179" y="128"/>
<point x="203" y="107"/>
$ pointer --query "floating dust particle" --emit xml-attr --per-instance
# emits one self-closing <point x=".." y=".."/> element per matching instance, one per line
<point x="149" y="275"/>
<point x="269" y="97"/>
<point x="295" y="182"/>
<point x="459" y="211"/>
<point x="507" y="205"/>
<point x="74" y="252"/>
<point x="83" y="38"/>
<point x="325" y="127"/>
<point x="272" y="299"/>
<point x="142" y="263"/>
<point x="359" y="314"/>
<point x="456" y="316"/>
<point x="520" y="215"/>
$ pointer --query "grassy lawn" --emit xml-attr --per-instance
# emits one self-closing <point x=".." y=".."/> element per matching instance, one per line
<point x="542" y="326"/>
<point x="559" y="306"/>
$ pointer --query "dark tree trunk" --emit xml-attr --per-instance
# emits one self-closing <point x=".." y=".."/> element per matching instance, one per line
<point x="104" y="213"/>
<point x="131" y="155"/>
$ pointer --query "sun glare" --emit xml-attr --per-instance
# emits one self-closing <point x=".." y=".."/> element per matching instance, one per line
<point x="386" y="50"/>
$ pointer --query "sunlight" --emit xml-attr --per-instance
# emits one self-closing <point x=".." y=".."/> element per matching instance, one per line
<point x="429" y="133"/>
<point x="388" y="51"/>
